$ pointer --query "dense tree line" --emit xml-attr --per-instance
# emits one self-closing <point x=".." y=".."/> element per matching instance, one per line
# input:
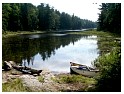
<point x="27" y="17"/>
<point x="109" y="64"/>
<point x="110" y="17"/>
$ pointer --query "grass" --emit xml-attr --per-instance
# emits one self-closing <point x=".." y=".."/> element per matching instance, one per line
<point x="107" y="44"/>
<point x="9" y="34"/>
<point x="106" y="40"/>
<point x="74" y="79"/>
<point x="41" y="79"/>
<point x="92" y="32"/>
<point x="15" y="85"/>
<point x="78" y="81"/>
<point x="97" y="33"/>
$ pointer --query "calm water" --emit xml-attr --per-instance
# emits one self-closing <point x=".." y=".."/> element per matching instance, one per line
<point x="50" y="51"/>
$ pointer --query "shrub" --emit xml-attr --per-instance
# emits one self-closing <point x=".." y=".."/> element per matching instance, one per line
<point x="110" y="67"/>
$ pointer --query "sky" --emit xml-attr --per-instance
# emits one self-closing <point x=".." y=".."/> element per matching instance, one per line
<point x="85" y="9"/>
<point x="80" y="8"/>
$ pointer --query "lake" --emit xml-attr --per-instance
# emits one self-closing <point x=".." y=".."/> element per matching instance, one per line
<point x="53" y="51"/>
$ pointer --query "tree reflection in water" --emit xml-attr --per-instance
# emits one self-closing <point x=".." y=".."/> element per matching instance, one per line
<point x="52" y="51"/>
<point x="23" y="48"/>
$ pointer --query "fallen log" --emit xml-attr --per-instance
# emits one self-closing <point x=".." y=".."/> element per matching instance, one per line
<point x="32" y="71"/>
<point x="23" y="69"/>
<point x="8" y="64"/>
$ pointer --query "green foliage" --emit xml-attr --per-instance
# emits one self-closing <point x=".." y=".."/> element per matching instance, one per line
<point x="110" y="67"/>
<point x="14" y="86"/>
<point x="110" y="17"/>
<point x="27" y="17"/>
<point x="14" y="19"/>
<point x="106" y="44"/>
<point x="5" y="16"/>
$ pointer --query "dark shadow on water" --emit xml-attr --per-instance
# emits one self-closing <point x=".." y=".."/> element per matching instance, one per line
<point x="24" y="48"/>
<point x="27" y="46"/>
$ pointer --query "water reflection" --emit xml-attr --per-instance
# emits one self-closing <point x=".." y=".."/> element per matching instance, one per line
<point x="50" y="51"/>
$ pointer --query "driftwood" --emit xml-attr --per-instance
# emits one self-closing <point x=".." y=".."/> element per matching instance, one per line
<point x="8" y="64"/>
<point x="23" y="69"/>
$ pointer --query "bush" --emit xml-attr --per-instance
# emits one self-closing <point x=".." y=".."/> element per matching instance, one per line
<point x="110" y="67"/>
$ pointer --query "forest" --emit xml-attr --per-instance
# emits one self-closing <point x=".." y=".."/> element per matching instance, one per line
<point x="110" y="64"/>
<point x="110" y="18"/>
<point x="27" y="17"/>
